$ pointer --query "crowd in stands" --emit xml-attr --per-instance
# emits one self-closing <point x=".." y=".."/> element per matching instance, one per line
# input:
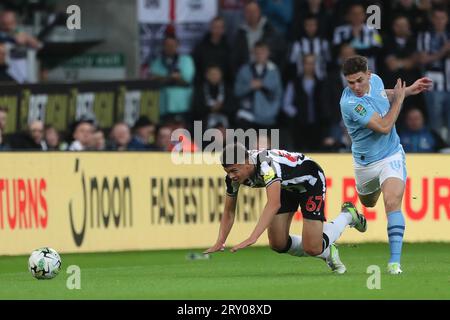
<point x="281" y="69"/>
<point x="275" y="64"/>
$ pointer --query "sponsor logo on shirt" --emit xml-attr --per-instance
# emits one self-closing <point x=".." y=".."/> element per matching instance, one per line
<point x="360" y="110"/>
<point x="268" y="172"/>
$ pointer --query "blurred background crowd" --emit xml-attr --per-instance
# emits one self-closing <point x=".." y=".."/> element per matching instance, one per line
<point x="266" y="64"/>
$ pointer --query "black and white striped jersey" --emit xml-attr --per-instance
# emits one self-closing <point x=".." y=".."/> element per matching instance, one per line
<point x="316" y="46"/>
<point x="432" y="42"/>
<point x="367" y="43"/>
<point x="295" y="171"/>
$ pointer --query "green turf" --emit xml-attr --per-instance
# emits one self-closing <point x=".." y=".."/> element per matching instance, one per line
<point x="253" y="273"/>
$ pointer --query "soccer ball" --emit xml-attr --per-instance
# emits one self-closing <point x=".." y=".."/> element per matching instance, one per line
<point x="44" y="263"/>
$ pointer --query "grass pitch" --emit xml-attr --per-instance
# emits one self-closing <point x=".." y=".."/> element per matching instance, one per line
<point x="252" y="273"/>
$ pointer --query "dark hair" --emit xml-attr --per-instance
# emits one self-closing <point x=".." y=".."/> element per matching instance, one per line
<point x="342" y="45"/>
<point x="354" y="65"/>
<point x="414" y="108"/>
<point x="217" y="18"/>
<point x="307" y="56"/>
<point x="4" y="109"/>
<point x="439" y="8"/>
<point x="78" y="123"/>
<point x="261" y="44"/>
<point x="249" y="2"/>
<point x="49" y="126"/>
<point x="171" y="36"/>
<point x="213" y="65"/>
<point x="310" y="16"/>
<point x="399" y="16"/>
<point x="97" y="129"/>
<point x="143" y="121"/>
<point x="355" y="4"/>
<point x="234" y="154"/>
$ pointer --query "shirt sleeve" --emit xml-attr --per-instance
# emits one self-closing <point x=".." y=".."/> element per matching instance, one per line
<point x="359" y="112"/>
<point x="268" y="173"/>
<point x="232" y="188"/>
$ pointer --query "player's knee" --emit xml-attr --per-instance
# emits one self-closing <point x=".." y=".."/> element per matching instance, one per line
<point x="279" y="247"/>
<point x="392" y="204"/>
<point x="313" y="250"/>
<point x="369" y="203"/>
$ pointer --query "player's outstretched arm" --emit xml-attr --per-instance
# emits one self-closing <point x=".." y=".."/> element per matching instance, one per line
<point x="270" y="210"/>
<point x="420" y="85"/>
<point x="226" y="223"/>
<point x="384" y="125"/>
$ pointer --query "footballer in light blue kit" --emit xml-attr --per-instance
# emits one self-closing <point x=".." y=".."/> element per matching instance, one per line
<point x="369" y="112"/>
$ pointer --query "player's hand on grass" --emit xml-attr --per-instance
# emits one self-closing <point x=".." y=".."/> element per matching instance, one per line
<point x="422" y="84"/>
<point x="399" y="91"/>
<point x="246" y="243"/>
<point x="215" y="248"/>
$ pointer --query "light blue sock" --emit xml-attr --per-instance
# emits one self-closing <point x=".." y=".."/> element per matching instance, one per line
<point x="395" y="229"/>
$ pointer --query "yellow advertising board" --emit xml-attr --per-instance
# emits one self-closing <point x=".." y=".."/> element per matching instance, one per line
<point x="87" y="202"/>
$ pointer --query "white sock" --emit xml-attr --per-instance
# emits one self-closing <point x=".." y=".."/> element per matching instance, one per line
<point x="325" y="254"/>
<point x="334" y="230"/>
<point x="296" y="248"/>
<point x="342" y="220"/>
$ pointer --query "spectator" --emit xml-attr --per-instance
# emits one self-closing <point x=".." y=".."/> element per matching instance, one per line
<point x="408" y="9"/>
<point x="425" y="7"/>
<point x="10" y="33"/>
<point x="434" y="47"/>
<point x="416" y="137"/>
<point x="310" y="43"/>
<point x="82" y="135"/>
<point x="212" y="98"/>
<point x="53" y="139"/>
<point x="3" y="120"/>
<point x="311" y="8"/>
<point x="366" y="41"/>
<point x="399" y="53"/>
<point x="181" y="141"/>
<point x="176" y="72"/>
<point x="4" y="75"/>
<point x="120" y="137"/>
<point x="257" y="28"/>
<point x="213" y="50"/>
<point x="31" y="139"/>
<point x="303" y="103"/>
<point x="337" y="139"/>
<point x="36" y="133"/>
<point x="400" y="58"/>
<point x="259" y="90"/>
<point x="218" y="140"/>
<point x="99" y="141"/>
<point x="232" y="12"/>
<point x="163" y="138"/>
<point x="335" y="84"/>
<point x="279" y="13"/>
<point x="9" y="29"/>
<point x="143" y="134"/>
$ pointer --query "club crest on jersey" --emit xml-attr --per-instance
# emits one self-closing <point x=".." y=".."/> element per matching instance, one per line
<point x="383" y="94"/>
<point x="360" y="110"/>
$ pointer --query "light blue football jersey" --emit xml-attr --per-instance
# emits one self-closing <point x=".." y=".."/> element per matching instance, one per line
<point x="368" y="146"/>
